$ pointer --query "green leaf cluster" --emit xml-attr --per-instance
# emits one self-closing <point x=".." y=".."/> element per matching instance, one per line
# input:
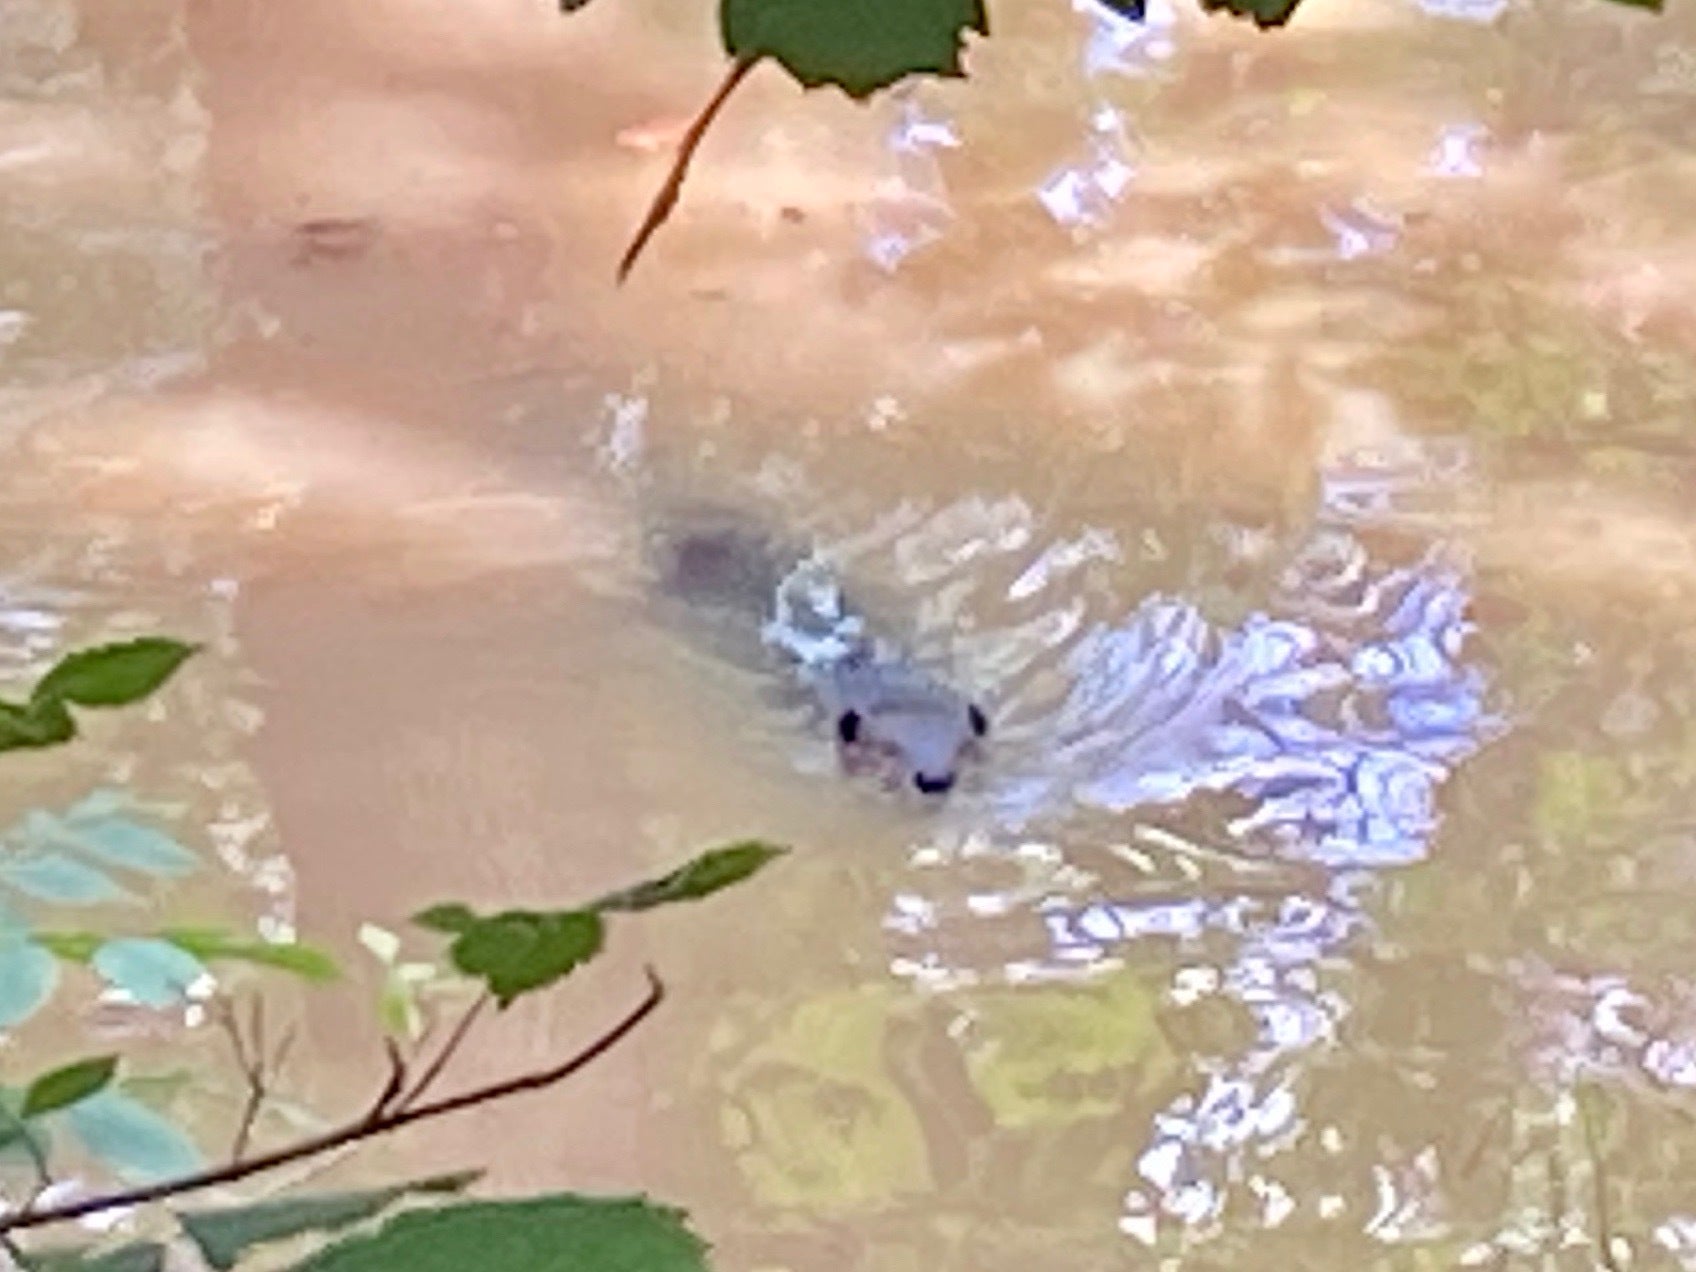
<point x="516" y="952"/>
<point x="82" y="1100"/>
<point x="114" y="675"/>
<point x="564" y="1232"/>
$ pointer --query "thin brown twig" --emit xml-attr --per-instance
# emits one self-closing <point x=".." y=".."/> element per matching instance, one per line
<point x="280" y="1056"/>
<point x="668" y="194"/>
<point x="433" y="1070"/>
<point x="251" y="1061"/>
<point x="363" y="1128"/>
<point x="392" y="1084"/>
<point x="256" y="1031"/>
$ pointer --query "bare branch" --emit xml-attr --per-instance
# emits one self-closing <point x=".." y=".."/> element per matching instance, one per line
<point x="433" y="1070"/>
<point x="363" y="1128"/>
<point x="668" y="194"/>
<point x="280" y="1056"/>
<point x="391" y="1085"/>
<point x="251" y="1061"/>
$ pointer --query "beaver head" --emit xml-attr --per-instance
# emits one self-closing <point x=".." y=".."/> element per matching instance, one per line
<point x="891" y="718"/>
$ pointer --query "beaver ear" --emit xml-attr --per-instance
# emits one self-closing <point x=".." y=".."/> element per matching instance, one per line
<point x="848" y="727"/>
<point x="976" y="718"/>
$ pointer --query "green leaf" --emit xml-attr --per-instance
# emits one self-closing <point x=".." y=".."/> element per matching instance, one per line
<point x="1653" y="6"/>
<point x="153" y="972"/>
<point x="59" y="880"/>
<point x="858" y="45"/>
<point x="1265" y="13"/>
<point x="133" y="1141"/>
<point x="540" y="1234"/>
<point x="451" y="917"/>
<point x="113" y="675"/>
<point x="28" y="975"/>
<point x="520" y="951"/>
<point x="211" y="944"/>
<point x="137" y="1256"/>
<point x="713" y="870"/>
<point x="224" y="1236"/>
<point x="38" y="724"/>
<point x="64" y="1086"/>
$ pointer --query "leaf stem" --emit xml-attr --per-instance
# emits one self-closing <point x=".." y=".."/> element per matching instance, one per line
<point x="366" y="1127"/>
<point x="433" y="1070"/>
<point x="667" y="197"/>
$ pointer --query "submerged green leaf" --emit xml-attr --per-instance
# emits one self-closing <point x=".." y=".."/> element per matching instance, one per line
<point x="520" y="951"/>
<point x="224" y="1236"/>
<point x="64" y="1086"/>
<point x="858" y="45"/>
<point x="211" y="944"/>
<point x="73" y="947"/>
<point x="541" y="1234"/>
<point x="28" y="975"/>
<point x="134" y="1142"/>
<point x="153" y="972"/>
<point x="715" y="869"/>
<point x="113" y="675"/>
<point x="137" y="1256"/>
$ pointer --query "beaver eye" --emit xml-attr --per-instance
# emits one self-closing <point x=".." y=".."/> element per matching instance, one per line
<point x="976" y="718"/>
<point x="848" y="726"/>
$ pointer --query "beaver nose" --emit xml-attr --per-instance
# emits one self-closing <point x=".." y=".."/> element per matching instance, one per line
<point x="937" y="785"/>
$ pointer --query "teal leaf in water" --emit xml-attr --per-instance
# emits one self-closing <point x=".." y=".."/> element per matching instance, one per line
<point x="858" y="45"/>
<point x="113" y="675"/>
<point x="11" y="922"/>
<point x="155" y="973"/>
<point x="64" y="1086"/>
<point x="38" y="724"/>
<point x="539" y="1234"/>
<point x="130" y="1139"/>
<point x="59" y="880"/>
<point x="451" y="917"/>
<point x="224" y="1236"/>
<point x="137" y="1256"/>
<point x="713" y="870"/>
<point x="520" y="951"/>
<point x="22" y="1144"/>
<point x="117" y="841"/>
<point x="211" y="944"/>
<point x="28" y="975"/>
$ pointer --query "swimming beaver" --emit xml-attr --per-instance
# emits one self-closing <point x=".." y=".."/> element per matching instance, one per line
<point x="889" y="716"/>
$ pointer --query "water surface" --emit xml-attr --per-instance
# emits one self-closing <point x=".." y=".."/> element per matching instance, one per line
<point x="1283" y="436"/>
